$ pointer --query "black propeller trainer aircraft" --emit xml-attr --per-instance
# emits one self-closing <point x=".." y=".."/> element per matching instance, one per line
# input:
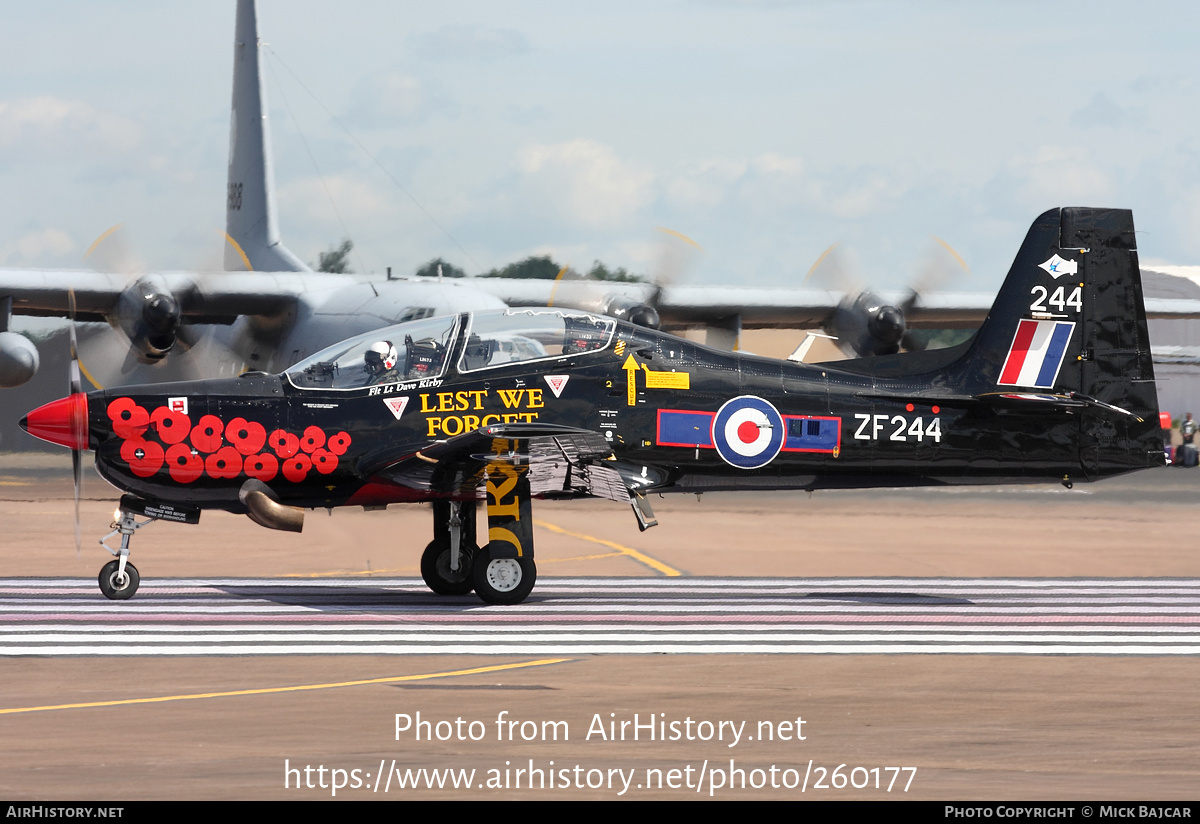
<point x="502" y="407"/>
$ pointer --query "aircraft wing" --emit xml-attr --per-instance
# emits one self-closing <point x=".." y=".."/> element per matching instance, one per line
<point x="563" y="462"/>
<point x="222" y="297"/>
<point x="764" y="308"/>
<point x="219" y="298"/>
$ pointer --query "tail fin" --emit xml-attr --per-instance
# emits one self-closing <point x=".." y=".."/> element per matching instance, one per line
<point x="250" y="224"/>
<point x="1069" y="320"/>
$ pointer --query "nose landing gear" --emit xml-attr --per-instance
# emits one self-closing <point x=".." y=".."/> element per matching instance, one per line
<point x="119" y="579"/>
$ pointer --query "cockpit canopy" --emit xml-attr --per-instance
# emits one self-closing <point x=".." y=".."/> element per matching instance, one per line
<point x="428" y="348"/>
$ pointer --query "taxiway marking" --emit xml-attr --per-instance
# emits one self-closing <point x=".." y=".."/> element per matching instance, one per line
<point x="577" y="616"/>
<point x="640" y="557"/>
<point x="295" y="688"/>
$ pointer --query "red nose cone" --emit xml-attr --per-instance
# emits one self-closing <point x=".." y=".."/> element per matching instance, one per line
<point x="63" y="422"/>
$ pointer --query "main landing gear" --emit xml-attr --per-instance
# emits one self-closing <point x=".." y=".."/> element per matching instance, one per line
<point x="446" y="562"/>
<point x="503" y="571"/>
<point x="453" y="564"/>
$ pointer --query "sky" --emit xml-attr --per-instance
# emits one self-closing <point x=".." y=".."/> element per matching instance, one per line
<point x="484" y="132"/>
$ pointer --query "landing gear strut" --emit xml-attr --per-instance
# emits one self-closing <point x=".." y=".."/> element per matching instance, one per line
<point x="446" y="562"/>
<point x="504" y="571"/>
<point x="119" y="579"/>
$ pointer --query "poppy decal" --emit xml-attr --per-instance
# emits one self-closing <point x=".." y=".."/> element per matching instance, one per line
<point x="217" y="449"/>
<point x="128" y="419"/>
<point x="262" y="467"/>
<point x="296" y="469"/>
<point x="285" y="444"/>
<point x="324" y="461"/>
<point x="206" y="435"/>
<point x="173" y="427"/>
<point x="226" y="462"/>
<point x="144" y="457"/>
<point x="245" y="437"/>
<point x="339" y="443"/>
<point x="314" y="438"/>
<point x="184" y="465"/>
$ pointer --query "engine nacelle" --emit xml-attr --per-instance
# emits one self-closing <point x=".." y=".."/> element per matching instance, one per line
<point x="18" y="359"/>
<point x="868" y="326"/>
<point x="149" y="314"/>
<point x="633" y="311"/>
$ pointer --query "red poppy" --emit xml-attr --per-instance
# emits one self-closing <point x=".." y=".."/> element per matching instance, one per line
<point x="245" y="436"/>
<point x="128" y="419"/>
<point x="184" y="465"/>
<point x="172" y="426"/>
<point x="206" y="435"/>
<point x="144" y="457"/>
<point x="285" y="444"/>
<point x="339" y="443"/>
<point x="226" y="462"/>
<point x="295" y="469"/>
<point x="324" y="461"/>
<point x="263" y="467"/>
<point x="314" y="438"/>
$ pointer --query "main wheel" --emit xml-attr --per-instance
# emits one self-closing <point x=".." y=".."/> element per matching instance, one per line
<point x="504" y="580"/>
<point x="439" y="577"/>
<point x="116" y="588"/>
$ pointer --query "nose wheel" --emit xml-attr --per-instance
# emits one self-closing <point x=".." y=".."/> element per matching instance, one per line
<point x="119" y="579"/>
<point x="119" y="584"/>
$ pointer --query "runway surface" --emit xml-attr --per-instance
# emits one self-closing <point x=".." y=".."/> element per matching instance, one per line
<point x="579" y="616"/>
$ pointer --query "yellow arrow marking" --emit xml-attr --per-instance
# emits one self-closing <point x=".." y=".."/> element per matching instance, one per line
<point x="631" y="369"/>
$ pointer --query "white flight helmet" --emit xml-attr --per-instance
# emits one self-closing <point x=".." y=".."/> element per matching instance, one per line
<point x="381" y="356"/>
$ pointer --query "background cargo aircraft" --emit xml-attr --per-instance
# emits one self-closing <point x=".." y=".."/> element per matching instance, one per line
<point x="275" y="311"/>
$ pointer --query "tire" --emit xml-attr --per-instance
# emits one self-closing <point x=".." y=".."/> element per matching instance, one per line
<point x="504" y="580"/>
<point x="435" y="569"/>
<point x="116" y="590"/>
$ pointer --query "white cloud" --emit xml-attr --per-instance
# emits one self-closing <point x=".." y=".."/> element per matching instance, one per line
<point x="469" y="42"/>
<point x="1056" y="175"/>
<point x="394" y="97"/>
<point x="320" y="202"/>
<point x="585" y="182"/>
<point x="41" y="122"/>
<point x="37" y="246"/>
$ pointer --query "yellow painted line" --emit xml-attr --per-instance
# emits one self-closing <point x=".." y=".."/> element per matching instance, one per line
<point x="602" y="555"/>
<point x="640" y="557"/>
<point x="541" y="662"/>
<point x="13" y="483"/>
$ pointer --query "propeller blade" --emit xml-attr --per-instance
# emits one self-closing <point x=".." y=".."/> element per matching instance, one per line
<point x="77" y="470"/>
<point x="78" y="426"/>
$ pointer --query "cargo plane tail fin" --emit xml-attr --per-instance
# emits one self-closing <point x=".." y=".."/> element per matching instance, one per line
<point x="251" y="227"/>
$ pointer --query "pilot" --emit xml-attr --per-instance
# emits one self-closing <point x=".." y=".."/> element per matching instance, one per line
<point x="380" y="362"/>
<point x="584" y="335"/>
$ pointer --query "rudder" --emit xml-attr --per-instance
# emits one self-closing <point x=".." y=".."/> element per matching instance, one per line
<point x="1070" y="320"/>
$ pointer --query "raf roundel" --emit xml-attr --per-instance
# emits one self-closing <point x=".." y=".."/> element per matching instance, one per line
<point x="748" y="432"/>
